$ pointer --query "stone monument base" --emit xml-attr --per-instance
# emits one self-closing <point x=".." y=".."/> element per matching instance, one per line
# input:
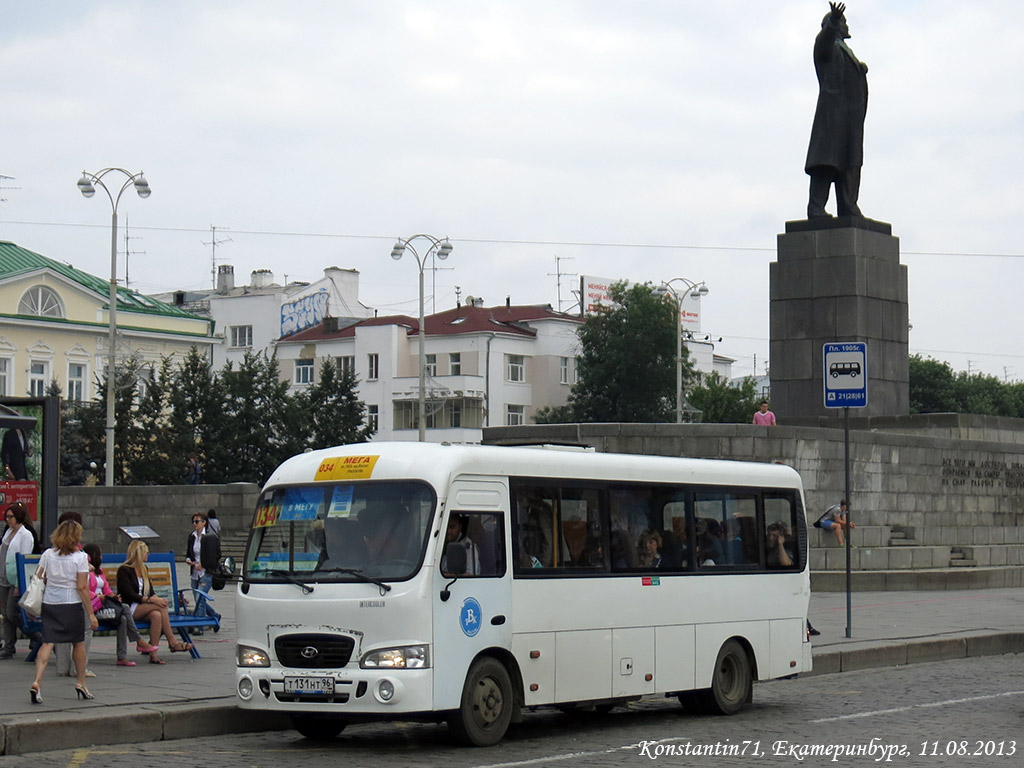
<point x="838" y="279"/>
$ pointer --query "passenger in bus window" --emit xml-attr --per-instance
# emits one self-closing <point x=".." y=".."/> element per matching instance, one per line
<point x="650" y="549"/>
<point x="455" y="535"/>
<point x="710" y="550"/>
<point x="623" y="551"/>
<point x="592" y="555"/>
<point x="779" y="546"/>
<point x="673" y="552"/>
<point x="536" y="520"/>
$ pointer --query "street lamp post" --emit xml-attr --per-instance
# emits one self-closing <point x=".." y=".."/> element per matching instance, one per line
<point x="87" y="185"/>
<point x="695" y="291"/>
<point x="441" y="248"/>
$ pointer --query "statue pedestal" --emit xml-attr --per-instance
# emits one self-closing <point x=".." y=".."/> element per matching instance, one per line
<point x="838" y="279"/>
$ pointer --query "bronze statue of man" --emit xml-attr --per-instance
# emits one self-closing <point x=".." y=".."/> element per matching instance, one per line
<point x="836" y="151"/>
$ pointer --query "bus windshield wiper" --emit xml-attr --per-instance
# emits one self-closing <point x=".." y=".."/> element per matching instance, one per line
<point x="306" y="588"/>
<point x="359" y="575"/>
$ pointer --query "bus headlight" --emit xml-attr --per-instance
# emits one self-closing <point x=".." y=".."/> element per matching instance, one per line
<point x="252" y="657"/>
<point x="405" y="657"/>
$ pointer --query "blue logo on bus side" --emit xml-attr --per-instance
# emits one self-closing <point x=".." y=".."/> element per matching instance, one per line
<point x="469" y="617"/>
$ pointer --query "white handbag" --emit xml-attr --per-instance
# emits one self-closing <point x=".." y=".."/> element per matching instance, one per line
<point x="32" y="600"/>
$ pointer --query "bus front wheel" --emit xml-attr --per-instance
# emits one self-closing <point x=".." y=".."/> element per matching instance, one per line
<point x="318" y="728"/>
<point x="731" y="682"/>
<point x="487" y="703"/>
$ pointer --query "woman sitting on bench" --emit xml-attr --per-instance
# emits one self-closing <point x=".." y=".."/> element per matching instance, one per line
<point x="135" y="589"/>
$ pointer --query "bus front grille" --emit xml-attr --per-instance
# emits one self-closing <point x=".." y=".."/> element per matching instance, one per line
<point x="314" y="651"/>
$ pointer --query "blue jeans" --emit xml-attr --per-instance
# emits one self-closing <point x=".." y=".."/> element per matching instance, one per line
<point x="205" y="583"/>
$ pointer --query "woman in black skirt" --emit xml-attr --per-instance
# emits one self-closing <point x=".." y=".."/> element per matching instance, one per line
<point x="65" y="570"/>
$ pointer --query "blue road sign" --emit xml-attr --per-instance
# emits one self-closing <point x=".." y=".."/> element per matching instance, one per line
<point x="846" y="374"/>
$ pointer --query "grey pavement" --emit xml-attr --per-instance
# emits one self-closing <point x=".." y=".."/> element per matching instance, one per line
<point x="187" y="698"/>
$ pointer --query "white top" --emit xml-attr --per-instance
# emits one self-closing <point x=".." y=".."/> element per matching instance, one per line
<point x="62" y="576"/>
<point x="17" y="542"/>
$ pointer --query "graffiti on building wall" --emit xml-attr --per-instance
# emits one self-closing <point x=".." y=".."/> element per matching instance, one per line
<point x="304" y="313"/>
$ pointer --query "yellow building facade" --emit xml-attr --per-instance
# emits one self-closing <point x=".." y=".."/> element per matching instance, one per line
<point x="54" y="327"/>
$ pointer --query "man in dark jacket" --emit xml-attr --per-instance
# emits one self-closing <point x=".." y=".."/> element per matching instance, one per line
<point x="836" y="151"/>
<point x="14" y="450"/>
<point x="202" y="554"/>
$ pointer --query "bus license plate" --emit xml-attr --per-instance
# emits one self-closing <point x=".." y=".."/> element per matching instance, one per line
<point x="315" y="685"/>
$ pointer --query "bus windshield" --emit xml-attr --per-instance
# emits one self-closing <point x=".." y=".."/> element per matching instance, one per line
<point x="340" y="532"/>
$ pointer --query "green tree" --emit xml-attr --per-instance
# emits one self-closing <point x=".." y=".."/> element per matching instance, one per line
<point x="195" y="413"/>
<point x="253" y="437"/>
<point x="932" y="386"/>
<point x="554" y="414"/>
<point x="725" y="404"/>
<point x="627" y="369"/>
<point x="331" y="411"/>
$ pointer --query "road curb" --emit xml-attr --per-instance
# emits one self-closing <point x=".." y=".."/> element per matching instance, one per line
<point x="49" y="731"/>
<point x="915" y="652"/>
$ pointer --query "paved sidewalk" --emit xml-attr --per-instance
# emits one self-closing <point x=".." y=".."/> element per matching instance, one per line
<point x="187" y="698"/>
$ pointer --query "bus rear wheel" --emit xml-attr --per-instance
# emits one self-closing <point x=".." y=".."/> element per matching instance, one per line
<point x="731" y="682"/>
<point x="487" y="703"/>
<point x="318" y="728"/>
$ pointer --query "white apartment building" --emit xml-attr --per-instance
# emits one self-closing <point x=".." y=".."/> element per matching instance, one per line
<point x="251" y="318"/>
<point x="486" y="366"/>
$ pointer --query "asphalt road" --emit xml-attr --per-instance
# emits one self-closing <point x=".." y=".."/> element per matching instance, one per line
<point x="933" y="714"/>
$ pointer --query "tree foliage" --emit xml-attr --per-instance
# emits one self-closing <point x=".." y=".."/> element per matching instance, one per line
<point x="722" y="403"/>
<point x="627" y="362"/>
<point x="240" y="422"/>
<point x="936" y="388"/>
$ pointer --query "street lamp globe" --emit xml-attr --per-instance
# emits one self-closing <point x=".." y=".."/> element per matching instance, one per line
<point x="85" y="186"/>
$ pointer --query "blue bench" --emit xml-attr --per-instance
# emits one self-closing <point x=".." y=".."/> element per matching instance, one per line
<point x="163" y="575"/>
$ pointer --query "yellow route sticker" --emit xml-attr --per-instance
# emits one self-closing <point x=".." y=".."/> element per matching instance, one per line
<point x="346" y="468"/>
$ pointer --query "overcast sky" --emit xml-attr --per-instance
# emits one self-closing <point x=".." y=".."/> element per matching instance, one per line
<point x="644" y="140"/>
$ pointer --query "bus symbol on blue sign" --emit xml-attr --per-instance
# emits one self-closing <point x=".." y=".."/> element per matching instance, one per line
<point x="845" y="374"/>
<point x="469" y="617"/>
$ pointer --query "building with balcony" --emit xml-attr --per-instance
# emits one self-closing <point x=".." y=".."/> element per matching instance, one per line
<point x="485" y="366"/>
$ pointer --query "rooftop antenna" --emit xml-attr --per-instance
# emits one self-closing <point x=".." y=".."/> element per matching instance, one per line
<point x="558" y="271"/>
<point x="128" y="252"/>
<point x="458" y="296"/>
<point x="214" y="242"/>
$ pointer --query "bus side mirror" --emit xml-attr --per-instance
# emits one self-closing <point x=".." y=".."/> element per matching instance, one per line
<point x="455" y="559"/>
<point x="454" y="566"/>
<point x="229" y="564"/>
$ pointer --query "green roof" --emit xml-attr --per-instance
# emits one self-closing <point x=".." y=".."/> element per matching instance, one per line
<point x="15" y="260"/>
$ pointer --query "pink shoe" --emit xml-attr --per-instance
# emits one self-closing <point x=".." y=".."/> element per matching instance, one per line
<point x="125" y="663"/>
<point x="146" y="648"/>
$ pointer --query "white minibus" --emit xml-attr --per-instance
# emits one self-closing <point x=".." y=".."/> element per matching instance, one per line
<point x="468" y="583"/>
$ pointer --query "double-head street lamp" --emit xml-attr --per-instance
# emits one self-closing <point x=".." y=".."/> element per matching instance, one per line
<point x="694" y="291"/>
<point x="441" y="249"/>
<point x="87" y="185"/>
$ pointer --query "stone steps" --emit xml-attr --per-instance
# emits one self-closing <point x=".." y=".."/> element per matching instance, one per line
<point x="925" y="579"/>
<point x="233" y="545"/>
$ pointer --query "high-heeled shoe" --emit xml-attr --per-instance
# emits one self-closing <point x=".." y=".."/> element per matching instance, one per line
<point x="83" y="692"/>
<point x="33" y="691"/>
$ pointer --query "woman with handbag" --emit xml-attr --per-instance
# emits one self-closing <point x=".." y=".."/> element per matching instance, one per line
<point x="18" y="540"/>
<point x="108" y="608"/>
<point x="65" y="570"/>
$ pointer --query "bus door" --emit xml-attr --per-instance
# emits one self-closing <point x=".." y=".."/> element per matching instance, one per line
<point x="472" y="594"/>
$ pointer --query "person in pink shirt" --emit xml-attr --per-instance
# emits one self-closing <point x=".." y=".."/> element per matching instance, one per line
<point x="764" y="417"/>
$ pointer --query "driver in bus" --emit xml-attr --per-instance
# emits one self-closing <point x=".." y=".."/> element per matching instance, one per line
<point x="456" y="535"/>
